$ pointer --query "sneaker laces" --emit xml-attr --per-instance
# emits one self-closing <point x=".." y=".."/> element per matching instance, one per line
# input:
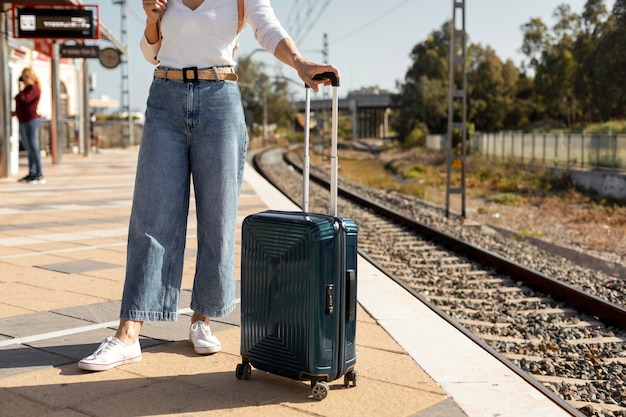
<point x="202" y="327"/>
<point x="107" y="344"/>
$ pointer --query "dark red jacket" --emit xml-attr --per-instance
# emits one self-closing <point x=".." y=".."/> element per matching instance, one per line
<point x="26" y="103"/>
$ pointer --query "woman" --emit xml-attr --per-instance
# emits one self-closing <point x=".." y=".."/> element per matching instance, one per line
<point x="26" y="102"/>
<point x="194" y="128"/>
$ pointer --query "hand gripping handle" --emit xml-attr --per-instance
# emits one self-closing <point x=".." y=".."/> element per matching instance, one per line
<point x="326" y="76"/>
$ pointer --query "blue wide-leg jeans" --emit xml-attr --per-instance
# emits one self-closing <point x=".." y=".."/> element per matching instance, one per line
<point x="194" y="132"/>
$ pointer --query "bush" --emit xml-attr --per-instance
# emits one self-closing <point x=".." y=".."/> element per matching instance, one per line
<point x="506" y="199"/>
<point x="615" y="126"/>
<point x="417" y="137"/>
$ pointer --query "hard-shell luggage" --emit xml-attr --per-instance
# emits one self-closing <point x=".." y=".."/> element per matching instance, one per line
<point x="298" y="287"/>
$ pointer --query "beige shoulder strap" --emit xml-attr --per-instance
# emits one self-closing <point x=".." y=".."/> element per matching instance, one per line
<point x="240" y="15"/>
<point x="240" y="12"/>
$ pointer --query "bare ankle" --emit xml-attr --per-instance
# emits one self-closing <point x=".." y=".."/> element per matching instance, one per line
<point x="198" y="317"/>
<point x="128" y="331"/>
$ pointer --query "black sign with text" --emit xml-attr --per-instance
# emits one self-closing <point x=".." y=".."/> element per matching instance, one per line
<point x="79" y="51"/>
<point x="56" y="23"/>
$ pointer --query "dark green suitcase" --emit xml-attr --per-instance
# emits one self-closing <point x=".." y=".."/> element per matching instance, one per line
<point x="299" y="292"/>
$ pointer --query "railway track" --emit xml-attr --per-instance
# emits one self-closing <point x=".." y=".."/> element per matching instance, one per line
<point x="565" y="337"/>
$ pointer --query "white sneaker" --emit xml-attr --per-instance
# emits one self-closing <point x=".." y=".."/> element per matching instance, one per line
<point x="111" y="353"/>
<point x="204" y="341"/>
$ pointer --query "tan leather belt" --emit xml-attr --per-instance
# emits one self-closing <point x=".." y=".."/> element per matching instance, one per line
<point x="192" y="75"/>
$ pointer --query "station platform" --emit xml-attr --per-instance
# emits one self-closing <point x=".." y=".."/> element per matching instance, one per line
<point x="62" y="264"/>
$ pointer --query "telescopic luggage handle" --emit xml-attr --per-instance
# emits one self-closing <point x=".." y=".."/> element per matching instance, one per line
<point x="333" y="147"/>
<point x="326" y="76"/>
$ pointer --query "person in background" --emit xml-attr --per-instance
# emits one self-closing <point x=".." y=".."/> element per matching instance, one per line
<point x="96" y="138"/>
<point x="26" y="102"/>
<point x="194" y="128"/>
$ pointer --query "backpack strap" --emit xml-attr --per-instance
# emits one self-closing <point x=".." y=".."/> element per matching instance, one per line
<point x="240" y="14"/>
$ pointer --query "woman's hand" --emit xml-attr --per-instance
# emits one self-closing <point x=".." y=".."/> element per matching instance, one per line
<point x="287" y="52"/>
<point x="154" y="9"/>
<point x="307" y="70"/>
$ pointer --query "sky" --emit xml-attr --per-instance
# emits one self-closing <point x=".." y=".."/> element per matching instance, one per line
<point x="369" y="40"/>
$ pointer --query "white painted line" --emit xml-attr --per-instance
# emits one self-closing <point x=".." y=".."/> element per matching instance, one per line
<point x="51" y="335"/>
<point x="67" y="332"/>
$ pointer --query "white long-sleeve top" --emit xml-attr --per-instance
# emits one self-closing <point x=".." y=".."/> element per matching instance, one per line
<point x="207" y="36"/>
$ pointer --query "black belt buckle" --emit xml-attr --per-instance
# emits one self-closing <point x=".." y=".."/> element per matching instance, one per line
<point x="187" y="79"/>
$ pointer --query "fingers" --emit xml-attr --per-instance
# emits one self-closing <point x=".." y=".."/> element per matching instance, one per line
<point x="317" y="70"/>
<point x="154" y="8"/>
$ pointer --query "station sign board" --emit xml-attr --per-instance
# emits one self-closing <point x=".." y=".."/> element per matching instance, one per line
<point x="79" y="51"/>
<point x="56" y="23"/>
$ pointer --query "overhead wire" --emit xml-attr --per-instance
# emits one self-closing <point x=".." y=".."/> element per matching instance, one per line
<point x="369" y="23"/>
<point x="313" y="21"/>
<point x="303" y="16"/>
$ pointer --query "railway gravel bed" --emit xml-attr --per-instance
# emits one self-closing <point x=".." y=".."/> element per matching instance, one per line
<point x="576" y="356"/>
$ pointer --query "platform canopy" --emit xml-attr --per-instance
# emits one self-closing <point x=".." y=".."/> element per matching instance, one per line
<point x="105" y="33"/>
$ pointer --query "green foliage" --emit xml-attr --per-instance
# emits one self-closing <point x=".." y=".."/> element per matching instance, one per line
<point x="423" y="97"/>
<point x="344" y="127"/>
<point x="616" y="126"/>
<point x="414" y="188"/>
<point x="259" y="92"/>
<point x="417" y="137"/>
<point x="417" y="169"/>
<point x="506" y="199"/>
<point x="368" y="172"/>
<point x="573" y="75"/>
<point x="603" y="160"/>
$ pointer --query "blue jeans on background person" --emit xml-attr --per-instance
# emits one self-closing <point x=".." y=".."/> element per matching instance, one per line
<point x="29" y="136"/>
<point x="193" y="133"/>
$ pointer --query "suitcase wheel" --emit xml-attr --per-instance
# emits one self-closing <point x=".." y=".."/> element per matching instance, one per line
<point x="351" y="376"/>
<point x="320" y="390"/>
<point x="244" y="370"/>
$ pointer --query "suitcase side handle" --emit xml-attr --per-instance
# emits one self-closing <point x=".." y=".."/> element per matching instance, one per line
<point x="350" y="295"/>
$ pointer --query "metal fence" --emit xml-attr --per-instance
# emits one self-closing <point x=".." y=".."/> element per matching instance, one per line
<point x="573" y="150"/>
<point x="68" y="130"/>
<point x="606" y="151"/>
<point x="114" y="133"/>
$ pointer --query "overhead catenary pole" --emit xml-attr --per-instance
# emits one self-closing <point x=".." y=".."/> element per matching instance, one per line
<point x="85" y="116"/>
<point x="458" y="91"/>
<point x="6" y="167"/>
<point x="56" y="146"/>
<point x="125" y="75"/>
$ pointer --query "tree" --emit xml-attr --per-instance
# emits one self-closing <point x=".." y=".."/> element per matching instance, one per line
<point x="574" y="70"/>
<point x="593" y="28"/>
<point x="488" y="98"/>
<point x="251" y="82"/>
<point x="535" y="40"/>
<point x="567" y="26"/>
<point x="423" y="96"/>
<point x="618" y="55"/>
<point x="594" y="16"/>
<point x="371" y="90"/>
<point x="554" y="64"/>
<point x="259" y="93"/>
<point x="604" y="67"/>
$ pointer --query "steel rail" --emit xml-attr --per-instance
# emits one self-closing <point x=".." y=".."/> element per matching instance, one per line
<point x="433" y="234"/>
<point x="606" y="311"/>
